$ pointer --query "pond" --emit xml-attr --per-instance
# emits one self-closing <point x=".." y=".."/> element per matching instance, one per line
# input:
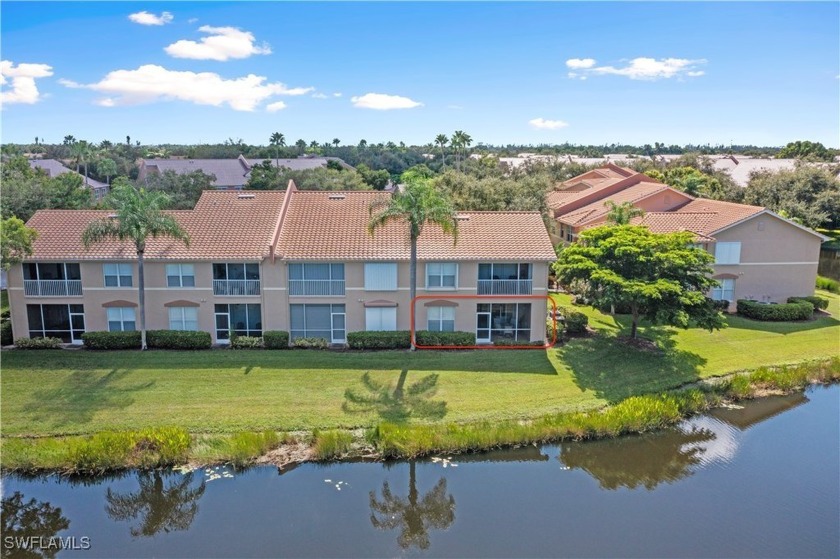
<point x="762" y="480"/>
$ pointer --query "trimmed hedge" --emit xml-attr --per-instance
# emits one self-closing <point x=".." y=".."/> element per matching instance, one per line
<point x="576" y="323"/>
<point x="246" y="342"/>
<point x="178" y="339"/>
<point x="310" y="343"/>
<point x="276" y="339"/>
<point x="800" y="310"/>
<point x="721" y="304"/>
<point x="111" y="340"/>
<point x="507" y="342"/>
<point x="6" y="337"/>
<point x="38" y="343"/>
<point x="427" y="337"/>
<point x="818" y="302"/>
<point x="828" y="284"/>
<point x="399" y="339"/>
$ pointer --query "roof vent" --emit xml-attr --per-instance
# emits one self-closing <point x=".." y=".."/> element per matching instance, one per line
<point x="113" y="216"/>
<point x="462" y="217"/>
<point x="337" y="196"/>
<point x="246" y="196"/>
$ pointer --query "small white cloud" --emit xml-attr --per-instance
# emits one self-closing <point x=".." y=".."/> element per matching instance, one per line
<point x="454" y="107"/>
<point x="274" y="107"/>
<point x="192" y="20"/>
<point x="147" y="18"/>
<point x="653" y="69"/>
<point x="150" y="83"/>
<point x="22" y="79"/>
<point x="544" y="124"/>
<point x="580" y="63"/>
<point x="223" y="43"/>
<point x="383" y="102"/>
<point x="336" y="94"/>
<point x="320" y="96"/>
<point x="696" y="74"/>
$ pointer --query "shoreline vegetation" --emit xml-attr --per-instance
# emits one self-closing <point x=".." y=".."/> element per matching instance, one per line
<point x="176" y="447"/>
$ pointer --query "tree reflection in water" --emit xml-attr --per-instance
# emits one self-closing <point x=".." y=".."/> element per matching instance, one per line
<point x="414" y="515"/>
<point x="158" y="505"/>
<point x="34" y="519"/>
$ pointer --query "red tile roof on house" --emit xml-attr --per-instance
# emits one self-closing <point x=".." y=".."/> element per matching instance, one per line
<point x="726" y="213"/>
<point x="598" y="209"/>
<point x="671" y="222"/>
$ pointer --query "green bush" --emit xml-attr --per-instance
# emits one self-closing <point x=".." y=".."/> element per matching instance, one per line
<point x="178" y="339"/>
<point x="38" y="343"/>
<point x="800" y="310"/>
<point x="576" y="323"/>
<point x="828" y="284"/>
<point x="6" y="337"/>
<point x="427" y="337"/>
<point x="246" y="342"/>
<point x="818" y="302"/>
<point x="507" y="342"/>
<point x="111" y="340"/>
<point x="328" y="445"/>
<point x="276" y="339"/>
<point x="379" y="340"/>
<point x="720" y="305"/>
<point x="310" y="343"/>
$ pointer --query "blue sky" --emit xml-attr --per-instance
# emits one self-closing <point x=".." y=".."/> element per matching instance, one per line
<point x="190" y="72"/>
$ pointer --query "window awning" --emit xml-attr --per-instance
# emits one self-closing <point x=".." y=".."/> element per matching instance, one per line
<point x="119" y="303"/>
<point x="440" y="303"/>
<point x="181" y="303"/>
<point x="379" y="303"/>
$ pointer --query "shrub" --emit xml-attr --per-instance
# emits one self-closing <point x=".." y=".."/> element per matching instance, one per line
<point x="506" y="342"/>
<point x="818" y="302"/>
<point x="550" y="328"/>
<point x="38" y="343"/>
<point x="800" y="310"/>
<point x="111" y="340"/>
<point x="720" y="305"/>
<point x="427" y="337"/>
<point x="310" y="343"/>
<point x="576" y="323"/>
<point x="379" y="340"/>
<point x="241" y="448"/>
<point x="178" y="339"/>
<point x="828" y="284"/>
<point x="246" y="342"/>
<point x="276" y="339"/>
<point x="331" y="444"/>
<point x="6" y="337"/>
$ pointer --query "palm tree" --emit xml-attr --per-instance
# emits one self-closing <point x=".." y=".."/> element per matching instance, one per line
<point x="417" y="204"/>
<point x="362" y="143"/>
<point x="442" y="140"/>
<point x="138" y="216"/>
<point x="623" y="213"/>
<point x="461" y="141"/>
<point x="336" y="141"/>
<point x="107" y="167"/>
<point x="277" y="140"/>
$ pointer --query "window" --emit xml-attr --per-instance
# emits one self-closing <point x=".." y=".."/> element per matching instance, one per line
<point x="507" y="320"/>
<point x="236" y="279"/>
<point x="380" y="318"/>
<point x="318" y="321"/>
<point x="52" y="279"/>
<point x="504" y="279"/>
<point x="58" y="321"/>
<point x="183" y="318"/>
<point x="728" y="253"/>
<point x="441" y="275"/>
<point x="180" y="275"/>
<point x="121" y="319"/>
<point x="441" y="319"/>
<point x="380" y="276"/>
<point x="316" y="279"/>
<point x="726" y="290"/>
<point x="244" y="319"/>
<point x="117" y="275"/>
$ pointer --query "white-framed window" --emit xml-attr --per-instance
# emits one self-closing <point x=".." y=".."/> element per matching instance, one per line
<point x="122" y="319"/>
<point x="441" y="275"/>
<point x="728" y="253"/>
<point x="180" y="275"/>
<point x="441" y="319"/>
<point x="318" y="279"/>
<point x="117" y="275"/>
<point x="725" y="291"/>
<point x="380" y="276"/>
<point x="183" y="318"/>
<point x="380" y="318"/>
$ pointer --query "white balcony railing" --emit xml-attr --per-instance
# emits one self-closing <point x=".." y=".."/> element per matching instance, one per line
<point x="233" y="288"/>
<point x="52" y="288"/>
<point x="505" y="287"/>
<point x="323" y="288"/>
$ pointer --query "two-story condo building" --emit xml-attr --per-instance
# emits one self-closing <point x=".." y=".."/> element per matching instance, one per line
<point x="301" y="261"/>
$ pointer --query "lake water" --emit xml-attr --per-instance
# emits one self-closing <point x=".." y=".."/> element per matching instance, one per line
<point x="761" y="481"/>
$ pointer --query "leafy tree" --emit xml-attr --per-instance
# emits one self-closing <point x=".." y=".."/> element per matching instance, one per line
<point x="416" y="205"/>
<point x="807" y="193"/>
<point x="33" y="519"/>
<point x="661" y="277"/>
<point x="377" y="180"/>
<point x="417" y="172"/>
<point x="15" y="241"/>
<point x="107" y="167"/>
<point x="623" y="213"/>
<point x="184" y="190"/>
<point x="265" y="176"/>
<point x="277" y="140"/>
<point x="805" y="150"/>
<point x="139" y="215"/>
<point x="520" y="192"/>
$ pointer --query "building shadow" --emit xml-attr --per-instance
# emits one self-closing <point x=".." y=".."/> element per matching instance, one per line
<point x="396" y="402"/>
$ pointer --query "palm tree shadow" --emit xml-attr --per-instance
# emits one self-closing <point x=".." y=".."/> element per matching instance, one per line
<point x="396" y="403"/>
<point x="80" y="396"/>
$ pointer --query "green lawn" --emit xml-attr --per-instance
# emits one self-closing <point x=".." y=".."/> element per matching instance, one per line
<point x="223" y="391"/>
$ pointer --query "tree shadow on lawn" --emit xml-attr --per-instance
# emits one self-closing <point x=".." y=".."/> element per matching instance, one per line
<point x="396" y="403"/>
<point x="80" y="396"/>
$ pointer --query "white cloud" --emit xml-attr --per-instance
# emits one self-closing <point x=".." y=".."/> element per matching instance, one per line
<point x="223" y="43"/>
<point x="544" y="124"/>
<point x="22" y="79"/>
<point x="274" y="107"/>
<point x="320" y="96"/>
<point x="653" y="69"/>
<point x="383" y="102"/>
<point x="146" y="18"/>
<point x="580" y="63"/>
<point x="150" y="83"/>
<point x="337" y="94"/>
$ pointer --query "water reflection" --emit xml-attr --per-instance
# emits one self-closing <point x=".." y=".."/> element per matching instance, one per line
<point x="414" y="515"/>
<point x="165" y="501"/>
<point x="24" y="521"/>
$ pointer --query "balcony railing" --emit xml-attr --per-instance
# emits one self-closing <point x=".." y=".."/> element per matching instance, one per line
<point x="52" y="288"/>
<point x="505" y="287"/>
<point x="322" y="288"/>
<point x="233" y="288"/>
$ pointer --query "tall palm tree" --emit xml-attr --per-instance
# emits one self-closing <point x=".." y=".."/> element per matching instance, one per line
<point x="107" y="167"/>
<point x="416" y="205"/>
<point x="442" y="140"/>
<point x="277" y="140"/>
<point x="362" y="143"/>
<point x="621" y="214"/>
<point x="336" y="142"/>
<point x="462" y="140"/>
<point x="139" y="215"/>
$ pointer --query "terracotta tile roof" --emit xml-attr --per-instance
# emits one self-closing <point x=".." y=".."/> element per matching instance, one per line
<point x="598" y="209"/>
<point x="726" y="213"/>
<point x="583" y="190"/>
<point x="670" y="222"/>
<point x="333" y="226"/>
<point x="556" y="198"/>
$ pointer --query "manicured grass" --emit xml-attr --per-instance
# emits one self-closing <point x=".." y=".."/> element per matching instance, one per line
<point x="223" y="391"/>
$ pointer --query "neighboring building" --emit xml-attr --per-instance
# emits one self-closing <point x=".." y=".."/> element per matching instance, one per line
<point x="53" y="168"/>
<point x="287" y="260"/>
<point x="230" y="174"/>
<point x="759" y="255"/>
